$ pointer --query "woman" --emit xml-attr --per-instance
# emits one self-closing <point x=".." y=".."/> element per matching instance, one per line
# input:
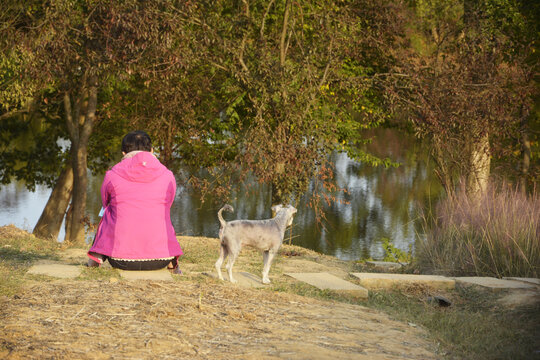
<point x="135" y="232"/>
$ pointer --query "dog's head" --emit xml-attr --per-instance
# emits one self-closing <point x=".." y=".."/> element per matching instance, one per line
<point x="289" y="210"/>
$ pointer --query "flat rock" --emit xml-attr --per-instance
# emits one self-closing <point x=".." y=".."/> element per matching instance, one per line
<point x="325" y="281"/>
<point x="55" y="270"/>
<point x="385" y="281"/>
<point x="386" y="265"/>
<point x="493" y="283"/>
<point x="534" y="281"/>
<point x="520" y="297"/>
<point x="301" y="265"/>
<point x="244" y="279"/>
<point x="154" y="275"/>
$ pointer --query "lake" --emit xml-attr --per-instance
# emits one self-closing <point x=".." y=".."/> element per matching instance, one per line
<point x="377" y="203"/>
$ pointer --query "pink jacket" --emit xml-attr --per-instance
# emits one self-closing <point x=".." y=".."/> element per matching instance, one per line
<point x="137" y="194"/>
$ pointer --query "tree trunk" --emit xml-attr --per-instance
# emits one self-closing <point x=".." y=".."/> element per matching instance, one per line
<point x="282" y="45"/>
<point x="277" y="195"/>
<point x="526" y="151"/>
<point x="479" y="167"/>
<point x="80" y="181"/>
<point x="471" y="12"/>
<point x="69" y="221"/>
<point x="80" y="124"/>
<point x="167" y="152"/>
<point x="50" y="221"/>
<point x="443" y="170"/>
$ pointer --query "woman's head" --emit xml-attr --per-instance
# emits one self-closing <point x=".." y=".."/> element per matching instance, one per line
<point x="136" y="140"/>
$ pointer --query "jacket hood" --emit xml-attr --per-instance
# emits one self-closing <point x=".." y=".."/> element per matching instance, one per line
<point x="144" y="167"/>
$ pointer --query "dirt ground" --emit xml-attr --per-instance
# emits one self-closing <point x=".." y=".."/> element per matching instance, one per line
<point x="69" y="319"/>
<point x="195" y="316"/>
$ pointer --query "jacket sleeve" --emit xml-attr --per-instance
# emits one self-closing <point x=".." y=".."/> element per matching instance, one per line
<point x="106" y="190"/>
<point x="171" y="190"/>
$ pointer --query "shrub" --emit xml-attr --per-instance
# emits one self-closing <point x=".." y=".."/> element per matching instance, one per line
<point x="393" y="254"/>
<point x="496" y="234"/>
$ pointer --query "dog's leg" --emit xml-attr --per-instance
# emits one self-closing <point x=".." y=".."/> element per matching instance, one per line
<point x="230" y="263"/>
<point x="265" y="259"/>
<point x="223" y="252"/>
<point x="268" y="256"/>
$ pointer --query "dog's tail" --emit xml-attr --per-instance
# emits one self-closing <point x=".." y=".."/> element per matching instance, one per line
<point x="226" y="207"/>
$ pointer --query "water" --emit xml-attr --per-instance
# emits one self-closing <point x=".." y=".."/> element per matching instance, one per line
<point x="378" y="203"/>
<point x="21" y="207"/>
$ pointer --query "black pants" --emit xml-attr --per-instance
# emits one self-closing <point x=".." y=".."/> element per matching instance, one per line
<point x="141" y="265"/>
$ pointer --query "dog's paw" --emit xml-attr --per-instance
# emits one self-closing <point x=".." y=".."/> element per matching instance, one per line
<point x="266" y="281"/>
<point x="234" y="281"/>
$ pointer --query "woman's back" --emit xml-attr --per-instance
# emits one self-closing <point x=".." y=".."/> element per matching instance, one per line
<point x="137" y="194"/>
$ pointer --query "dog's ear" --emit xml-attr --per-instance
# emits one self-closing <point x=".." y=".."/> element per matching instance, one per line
<point x="275" y="209"/>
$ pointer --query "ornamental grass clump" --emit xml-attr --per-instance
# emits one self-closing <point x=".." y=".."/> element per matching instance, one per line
<point x="496" y="234"/>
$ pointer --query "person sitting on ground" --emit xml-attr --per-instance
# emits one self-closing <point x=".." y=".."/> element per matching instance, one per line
<point x="135" y="231"/>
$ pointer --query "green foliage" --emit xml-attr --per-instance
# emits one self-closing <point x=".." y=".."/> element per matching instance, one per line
<point x="270" y="88"/>
<point x="29" y="148"/>
<point x="294" y="86"/>
<point x="393" y="254"/>
<point x="15" y="89"/>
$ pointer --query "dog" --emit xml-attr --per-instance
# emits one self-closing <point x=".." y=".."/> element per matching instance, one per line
<point x="266" y="235"/>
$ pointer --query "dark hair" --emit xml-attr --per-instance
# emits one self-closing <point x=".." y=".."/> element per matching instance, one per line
<point x="136" y="140"/>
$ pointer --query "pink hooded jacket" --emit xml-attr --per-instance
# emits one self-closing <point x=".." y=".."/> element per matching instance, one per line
<point x="137" y="194"/>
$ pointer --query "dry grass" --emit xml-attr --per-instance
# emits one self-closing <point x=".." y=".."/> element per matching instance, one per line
<point x="495" y="235"/>
<point x="201" y="253"/>
<point x="18" y="250"/>
<point x="99" y="315"/>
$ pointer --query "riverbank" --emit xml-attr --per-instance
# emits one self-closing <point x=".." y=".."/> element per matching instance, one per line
<point x="99" y="314"/>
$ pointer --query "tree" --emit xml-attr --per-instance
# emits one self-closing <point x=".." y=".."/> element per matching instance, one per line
<point x="262" y="88"/>
<point x="463" y="78"/>
<point x="77" y="49"/>
<point x="286" y="70"/>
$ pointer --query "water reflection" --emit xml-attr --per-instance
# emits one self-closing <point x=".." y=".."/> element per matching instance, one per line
<point x="378" y="203"/>
<point x="21" y="207"/>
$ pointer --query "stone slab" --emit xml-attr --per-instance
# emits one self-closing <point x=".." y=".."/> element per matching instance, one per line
<point x="153" y="275"/>
<point x="385" y="281"/>
<point x="56" y="270"/>
<point x="534" y="281"/>
<point x="493" y="283"/>
<point x="386" y="264"/>
<point x="325" y="281"/>
<point x="244" y="279"/>
<point x="516" y="298"/>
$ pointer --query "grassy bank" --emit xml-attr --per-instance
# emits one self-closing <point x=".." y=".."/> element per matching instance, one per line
<point x="476" y="326"/>
<point x="18" y="251"/>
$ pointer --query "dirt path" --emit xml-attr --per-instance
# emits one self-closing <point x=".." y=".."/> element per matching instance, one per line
<point x="192" y="320"/>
